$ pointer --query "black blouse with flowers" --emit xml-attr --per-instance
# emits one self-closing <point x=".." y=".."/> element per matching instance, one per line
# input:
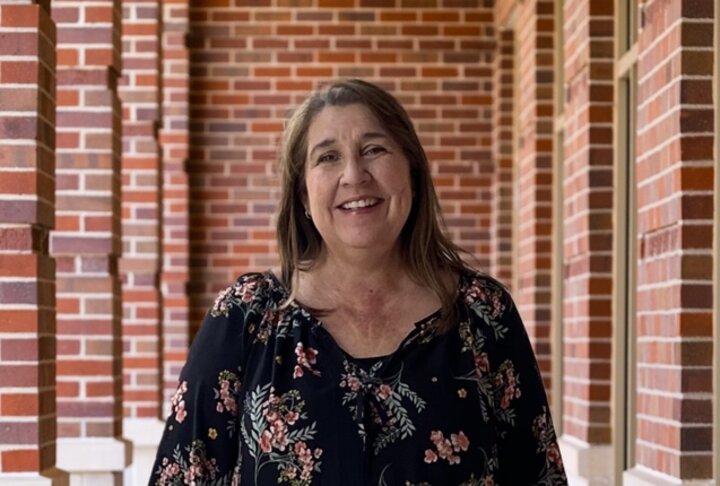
<point x="267" y="397"/>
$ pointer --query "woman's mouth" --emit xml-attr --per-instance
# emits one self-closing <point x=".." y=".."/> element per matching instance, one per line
<point x="360" y="203"/>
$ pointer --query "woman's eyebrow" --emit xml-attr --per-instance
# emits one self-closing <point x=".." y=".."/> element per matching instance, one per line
<point x="369" y="135"/>
<point x="325" y="143"/>
<point x="329" y="141"/>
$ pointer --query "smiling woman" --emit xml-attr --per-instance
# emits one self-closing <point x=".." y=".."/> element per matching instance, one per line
<point x="378" y="357"/>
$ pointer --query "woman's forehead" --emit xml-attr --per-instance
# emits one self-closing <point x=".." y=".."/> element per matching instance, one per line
<point x="355" y="119"/>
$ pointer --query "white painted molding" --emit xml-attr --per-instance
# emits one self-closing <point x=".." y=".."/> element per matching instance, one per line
<point x="143" y="431"/>
<point x="50" y="477"/>
<point x="586" y="464"/>
<point x="641" y="476"/>
<point x="97" y="455"/>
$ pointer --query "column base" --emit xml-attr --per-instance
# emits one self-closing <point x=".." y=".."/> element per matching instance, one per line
<point x="587" y="464"/>
<point x="641" y="476"/>
<point x="145" y="435"/>
<point x="94" y="462"/>
<point x="48" y="477"/>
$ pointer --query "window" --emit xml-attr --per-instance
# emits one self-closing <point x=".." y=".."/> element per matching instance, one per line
<point x="625" y="257"/>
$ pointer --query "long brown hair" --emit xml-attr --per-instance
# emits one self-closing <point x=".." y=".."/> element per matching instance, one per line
<point x="427" y="252"/>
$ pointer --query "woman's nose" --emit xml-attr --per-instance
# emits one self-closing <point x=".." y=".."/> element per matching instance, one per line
<point x="355" y="171"/>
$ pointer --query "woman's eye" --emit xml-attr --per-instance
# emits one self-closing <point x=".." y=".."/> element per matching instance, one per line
<point x="328" y="157"/>
<point x="374" y="150"/>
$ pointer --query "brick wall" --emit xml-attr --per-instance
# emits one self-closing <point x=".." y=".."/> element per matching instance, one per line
<point x="503" y="100"/>
<point x="141" y="218"/>
<point x="249" y="65"/>
<point x="86" y="241"/>
<point x="534" y="172"/>
<point x="27" y="214"/>
<point x="675" y="200"/>
<point x="587" y="218"/>
<point x="174" y="140"/>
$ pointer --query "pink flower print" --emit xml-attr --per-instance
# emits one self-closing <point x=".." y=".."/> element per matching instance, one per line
<point x="169" y="471"/>
<point x="482" y="363"/>
<point x="266" y="441"/>
<point x="305" y="457"/>
<point x="460" y="442"/>
<point x="430" y="456"/>
<point x="246" y="291"/>
<point x="383" y="392"/>
<point x="297" y="372"/>
<point x="306" y="358"/>
<point x="178" y="404"/>
<point x="488" y="480"/>
<point x="291" y="417"/>
<point x="226" y="395"/>
<point x="290" y="472"/>
<point x="279" y="435"/>
<point x="447" y="448"/>
<point x="553" y="454"/>
<point x="220" y="305"/>
<point x="436" y="436"/>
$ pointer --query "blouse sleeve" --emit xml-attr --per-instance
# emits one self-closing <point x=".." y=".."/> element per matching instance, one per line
<point x="527" y="443"/>
<point x="199" y="444"/>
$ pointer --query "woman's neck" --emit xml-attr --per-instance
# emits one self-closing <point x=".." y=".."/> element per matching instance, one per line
<point x="357" y="282"/>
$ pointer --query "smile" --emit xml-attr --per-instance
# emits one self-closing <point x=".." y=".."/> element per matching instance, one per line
<point x="360" y="203"/>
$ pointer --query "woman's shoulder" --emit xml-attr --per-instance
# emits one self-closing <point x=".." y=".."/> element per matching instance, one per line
<point x="484" y="294"/>
<point x="251" y="291"/>
<point x="478" y="284"/>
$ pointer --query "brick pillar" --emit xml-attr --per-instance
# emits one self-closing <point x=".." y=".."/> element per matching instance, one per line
<point x="27" y="272"/>
<point x="675" y="217"/>
<point x="250" y="65"/>
<point x="588" y="230"/>
<point x="502" y="149"/>
<point x="86" y="242"/>
<point x="174" y="140"/>
<point x="141" y="231"/>
<point x="534" y="173"/>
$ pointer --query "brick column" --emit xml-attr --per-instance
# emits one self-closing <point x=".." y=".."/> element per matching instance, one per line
<point x="502" y="185"/>
<point x="86" y="242"/>
<point x="588" y="230"/>
<point x="141" y="231"/>
<point x="534" y="173"/>
<point x="27" y="272"/>
<point x="174" y="140"/>
<point x="675" y="218"/>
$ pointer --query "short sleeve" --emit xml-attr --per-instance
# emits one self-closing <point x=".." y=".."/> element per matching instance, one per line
<point x="527" y="444"/>
<point x="199" y="444"/>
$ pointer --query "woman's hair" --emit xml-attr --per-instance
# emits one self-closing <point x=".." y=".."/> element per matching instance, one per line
<point x="427" y="252"/>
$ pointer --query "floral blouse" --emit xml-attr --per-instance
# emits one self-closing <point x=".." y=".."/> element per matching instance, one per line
<point x="267" y="397"/>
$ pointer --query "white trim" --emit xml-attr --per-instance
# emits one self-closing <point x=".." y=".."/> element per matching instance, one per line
<point x="48" y="477"/>
<point x="145" y="433"/>
<point x="641" y="476"/>
<point x="101" y="455"/>
<point x="586" y="464"/>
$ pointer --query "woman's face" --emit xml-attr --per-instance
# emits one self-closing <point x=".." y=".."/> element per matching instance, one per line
<point x="357" y="179"/>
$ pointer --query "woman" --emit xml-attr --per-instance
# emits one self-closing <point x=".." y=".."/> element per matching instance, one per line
<point x="378" y="357"/>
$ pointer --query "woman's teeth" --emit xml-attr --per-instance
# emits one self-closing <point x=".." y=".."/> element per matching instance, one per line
<point x="362" y="203"/>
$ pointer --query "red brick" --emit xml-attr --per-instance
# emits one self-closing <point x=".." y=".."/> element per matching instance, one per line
<point x="27" y="15"/>
<point x="19" y="461"/>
